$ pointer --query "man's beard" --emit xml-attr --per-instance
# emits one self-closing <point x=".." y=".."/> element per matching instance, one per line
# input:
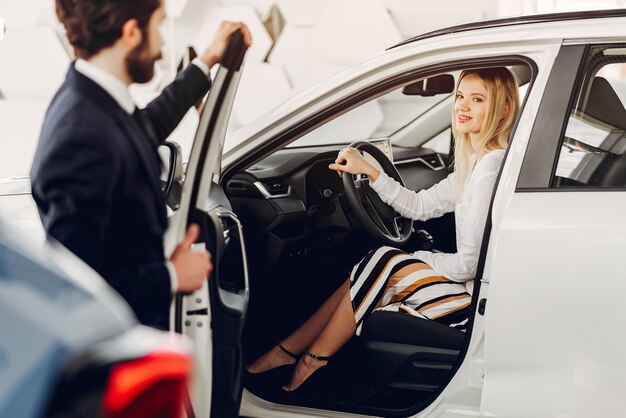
<point x="139" y="65"/>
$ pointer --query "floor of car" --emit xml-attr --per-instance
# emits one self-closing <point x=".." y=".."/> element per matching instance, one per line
<point x="343" y="385"/>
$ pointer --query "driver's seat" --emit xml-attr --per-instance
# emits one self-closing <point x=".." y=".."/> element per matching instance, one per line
<point x="408" y="352"/>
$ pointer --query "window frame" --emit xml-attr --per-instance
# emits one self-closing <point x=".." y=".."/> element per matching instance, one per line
<point x="589" y="69"/>
<point x="563" y="90"/>
<point x="546" y="137"/>
<point x="292" y="133"/>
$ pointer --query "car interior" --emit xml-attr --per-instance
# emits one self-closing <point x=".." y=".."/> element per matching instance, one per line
<point x="302" y="238"/>
<point x="594" y="146"/>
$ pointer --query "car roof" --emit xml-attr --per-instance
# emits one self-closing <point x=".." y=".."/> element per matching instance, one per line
<point x="513" y="21"/>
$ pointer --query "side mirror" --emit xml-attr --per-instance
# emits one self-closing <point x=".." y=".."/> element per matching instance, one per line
<point x="171" y="173"/>
<point x="439" y="84"/>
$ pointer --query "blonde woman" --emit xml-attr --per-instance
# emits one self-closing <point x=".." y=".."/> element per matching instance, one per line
<point x="433" y="286"/>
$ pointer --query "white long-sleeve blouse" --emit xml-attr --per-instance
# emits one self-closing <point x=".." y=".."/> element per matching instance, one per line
<point x="470" y="213"/>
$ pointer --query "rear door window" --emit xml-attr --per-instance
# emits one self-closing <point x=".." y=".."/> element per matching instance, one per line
<point x="593" y="147"/>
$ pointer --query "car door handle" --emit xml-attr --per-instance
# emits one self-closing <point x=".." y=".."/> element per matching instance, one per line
<point x="482" y="305"/>
<point x="231" y="216"/>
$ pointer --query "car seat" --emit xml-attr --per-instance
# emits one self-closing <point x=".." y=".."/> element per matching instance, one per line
<point x="606" y="165"/>
<point x="408" y="352"/>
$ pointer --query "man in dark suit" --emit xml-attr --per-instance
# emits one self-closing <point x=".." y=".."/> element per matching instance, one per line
<point x="95" y="175"/>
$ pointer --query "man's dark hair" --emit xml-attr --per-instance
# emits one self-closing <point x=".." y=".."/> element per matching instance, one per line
<point x="92" y="25"/>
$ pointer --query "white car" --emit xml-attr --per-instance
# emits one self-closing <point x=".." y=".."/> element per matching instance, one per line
<point x="546" y="335"/>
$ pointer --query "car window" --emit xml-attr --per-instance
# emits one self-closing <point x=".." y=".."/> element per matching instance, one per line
<point x="408" y="120"/>
<point x="378" y="118"/>
<point x="593" y="148"/>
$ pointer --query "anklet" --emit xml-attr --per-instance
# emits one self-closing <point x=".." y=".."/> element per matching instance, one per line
<point x="316" y="357"/>
<point x="284" y="350"/>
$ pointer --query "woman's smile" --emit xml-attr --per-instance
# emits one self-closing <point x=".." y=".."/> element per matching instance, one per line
<point x="462" y="118"/>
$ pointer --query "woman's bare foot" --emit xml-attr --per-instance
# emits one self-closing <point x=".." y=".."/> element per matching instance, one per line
<point x="270" y="360"/>
<point x="304" y="369"/>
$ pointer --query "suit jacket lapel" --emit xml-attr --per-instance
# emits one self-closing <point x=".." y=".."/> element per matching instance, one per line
<point x="148" y="155"/>
<point x="136" y="136"/>
<point x="139" y="139"/>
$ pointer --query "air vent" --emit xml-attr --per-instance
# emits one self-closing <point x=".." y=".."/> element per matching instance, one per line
<point x="273" y="189"/>
<point x="276" y="188"/>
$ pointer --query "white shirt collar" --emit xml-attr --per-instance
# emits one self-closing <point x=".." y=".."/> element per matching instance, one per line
<point x="111" y="84"/>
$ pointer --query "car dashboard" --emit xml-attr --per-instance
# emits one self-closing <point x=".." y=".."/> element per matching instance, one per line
<point x="293" y="205"/>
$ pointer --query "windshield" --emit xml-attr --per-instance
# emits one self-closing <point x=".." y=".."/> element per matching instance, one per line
<point x="378" y="118"/>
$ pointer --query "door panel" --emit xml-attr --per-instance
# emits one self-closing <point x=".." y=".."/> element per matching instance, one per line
<point x="213" y="316"/>
<point x="553" y="345"/>
<point x="554" y="310"/>
<point x="229" y="293"/>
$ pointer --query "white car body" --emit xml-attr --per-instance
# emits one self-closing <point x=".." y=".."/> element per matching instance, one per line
<point x="550" y="341"/>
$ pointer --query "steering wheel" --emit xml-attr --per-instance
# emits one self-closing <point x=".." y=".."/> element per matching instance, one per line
<point x="379" y="219"/>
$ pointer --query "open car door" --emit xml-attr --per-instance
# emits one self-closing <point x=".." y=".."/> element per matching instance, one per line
<point x="213" y="316"/>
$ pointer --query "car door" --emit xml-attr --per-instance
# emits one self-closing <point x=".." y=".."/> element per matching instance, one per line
<point x="213" y="316"/>
<point x="554" y="316"/>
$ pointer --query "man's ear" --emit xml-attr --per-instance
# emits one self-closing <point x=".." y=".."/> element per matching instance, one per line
<point x="131" y="34"/>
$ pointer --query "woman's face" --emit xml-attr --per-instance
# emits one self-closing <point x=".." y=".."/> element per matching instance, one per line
<point x="470" y="105"/>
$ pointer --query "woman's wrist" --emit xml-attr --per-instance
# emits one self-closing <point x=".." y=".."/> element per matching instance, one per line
<point x="373" y="174"/>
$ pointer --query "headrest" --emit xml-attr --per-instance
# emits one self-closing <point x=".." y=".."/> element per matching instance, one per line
<point x="604" y="105"/>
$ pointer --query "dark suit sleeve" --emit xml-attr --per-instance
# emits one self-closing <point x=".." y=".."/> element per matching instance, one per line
<point x="147" y="289"/>
<point x="166" y="111"/>
<point x="73" y="186"/>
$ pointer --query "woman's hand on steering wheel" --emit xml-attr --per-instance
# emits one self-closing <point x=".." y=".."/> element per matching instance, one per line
<point x="370" y="211"/>
<point x="351" y="161"/>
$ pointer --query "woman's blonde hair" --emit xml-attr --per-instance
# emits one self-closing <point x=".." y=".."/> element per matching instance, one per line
<point x="502" y="93"/>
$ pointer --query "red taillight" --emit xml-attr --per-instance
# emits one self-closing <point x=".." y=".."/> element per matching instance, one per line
<point x="152" y="386"/>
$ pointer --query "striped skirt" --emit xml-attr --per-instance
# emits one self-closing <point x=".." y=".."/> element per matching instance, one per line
<point x="420" y="293"/>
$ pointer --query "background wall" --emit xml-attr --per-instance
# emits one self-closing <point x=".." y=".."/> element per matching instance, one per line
<point x="296" y="44"/>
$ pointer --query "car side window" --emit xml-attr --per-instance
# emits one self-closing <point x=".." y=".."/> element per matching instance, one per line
<point x="381" y="117"/>
<point x="593" y="148"/>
